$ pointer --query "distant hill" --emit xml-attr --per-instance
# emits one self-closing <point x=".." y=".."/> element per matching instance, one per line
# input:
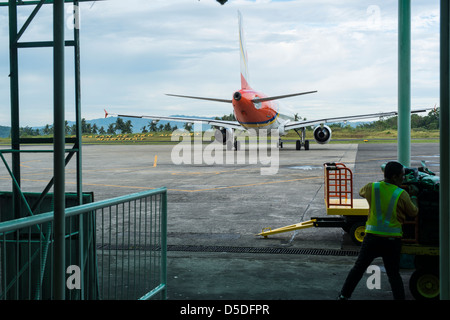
<point x="138" y="123"/>
<point x="4" y="131"/>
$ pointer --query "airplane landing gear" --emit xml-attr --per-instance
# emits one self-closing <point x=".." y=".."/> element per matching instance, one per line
<point x="280" y="143"/>
<point x="302" y="142"/>
<point x="236" y="145"/>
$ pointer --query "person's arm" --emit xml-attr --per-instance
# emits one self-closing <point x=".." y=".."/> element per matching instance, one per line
<point x="366" y="192"/>
<point x="409" y="204"/>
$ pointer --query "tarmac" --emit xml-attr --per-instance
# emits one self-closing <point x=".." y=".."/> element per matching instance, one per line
<point x="216" y="208"/>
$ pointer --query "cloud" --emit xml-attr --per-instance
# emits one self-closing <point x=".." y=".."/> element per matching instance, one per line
<point x="133" y="52"/>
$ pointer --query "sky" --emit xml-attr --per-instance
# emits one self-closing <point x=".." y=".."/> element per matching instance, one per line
<point x="134" y="52"/>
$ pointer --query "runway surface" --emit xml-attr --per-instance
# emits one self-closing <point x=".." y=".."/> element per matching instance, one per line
<point x="216" y="205"/>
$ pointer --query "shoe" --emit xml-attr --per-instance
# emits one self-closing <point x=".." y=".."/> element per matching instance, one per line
<point x="341" y="297"/>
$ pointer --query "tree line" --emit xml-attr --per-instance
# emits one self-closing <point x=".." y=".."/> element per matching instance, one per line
<point x="120" y="126"/>
<point x="427" y="122"/>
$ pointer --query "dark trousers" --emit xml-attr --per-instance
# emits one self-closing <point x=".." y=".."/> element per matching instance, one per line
<point x="371" y="248"/>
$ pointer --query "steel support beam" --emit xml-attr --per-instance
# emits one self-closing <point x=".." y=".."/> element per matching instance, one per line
<point x="76" y="36"/>
<point x="59" y="141"/>
<point x="404" y="82"/>
<point x="14" y="94"/>
<point x="59" y="148"/>
<point x="11" y="252"/>
<point x="444" y="125"/>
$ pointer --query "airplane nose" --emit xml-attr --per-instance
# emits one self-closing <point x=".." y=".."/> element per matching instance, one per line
<point x="237" y="96"/>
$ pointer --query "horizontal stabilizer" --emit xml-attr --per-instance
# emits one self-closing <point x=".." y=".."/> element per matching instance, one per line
<point x="200" y="98"/>
<point x="257" y="100"/>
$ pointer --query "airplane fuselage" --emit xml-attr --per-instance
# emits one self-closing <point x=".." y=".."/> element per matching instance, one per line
<point x="251" y="115"/>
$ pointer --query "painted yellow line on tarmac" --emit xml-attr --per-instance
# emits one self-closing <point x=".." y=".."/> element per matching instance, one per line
<point x="212" y="172"/>
<point x="184" y="173"/>
<point x="184" y="190"/>
<point x="25" y="166"/>
<point x="92" y="184"/>
<point x="113" y="186"/>
<point x="194" y="190"/>
<point x="247" y="185"/>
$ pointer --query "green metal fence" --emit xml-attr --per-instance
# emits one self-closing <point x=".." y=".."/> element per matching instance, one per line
<point x="115" y="249"/>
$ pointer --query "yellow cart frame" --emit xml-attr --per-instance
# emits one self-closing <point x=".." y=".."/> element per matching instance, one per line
<point x="343" y="211"/>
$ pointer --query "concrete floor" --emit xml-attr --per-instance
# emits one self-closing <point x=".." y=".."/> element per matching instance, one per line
<point x="226" y="204"/>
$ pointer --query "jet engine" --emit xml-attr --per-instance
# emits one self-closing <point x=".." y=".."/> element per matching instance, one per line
<point x="322" y="134"/>
<point x="223" y="135"/>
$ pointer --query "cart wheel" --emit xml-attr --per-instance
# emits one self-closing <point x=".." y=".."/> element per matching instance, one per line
<point x="424" y="284"/>
<point x="357" y="232"/>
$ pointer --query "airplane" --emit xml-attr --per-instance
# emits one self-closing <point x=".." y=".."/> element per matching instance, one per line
<point x="255" y="110"/>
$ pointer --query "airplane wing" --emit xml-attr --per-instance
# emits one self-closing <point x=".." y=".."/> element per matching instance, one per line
<point x="212" y="122"/>
<point x="301" y="124"/>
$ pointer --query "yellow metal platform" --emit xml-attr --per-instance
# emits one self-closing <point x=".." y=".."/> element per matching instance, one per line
<point x="347" y="207"/>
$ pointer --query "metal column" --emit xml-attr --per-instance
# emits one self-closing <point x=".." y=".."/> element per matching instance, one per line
<point x="59" y="147"/>
<point x="444" y="196"/>
<point x="404" y="82"/>
<point x="14" y="93"/>
<point x="15" y="144"/>
<point x="76" y="37"/>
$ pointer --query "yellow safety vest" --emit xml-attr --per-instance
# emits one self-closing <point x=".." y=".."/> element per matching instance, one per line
<point x="383" y="210"/>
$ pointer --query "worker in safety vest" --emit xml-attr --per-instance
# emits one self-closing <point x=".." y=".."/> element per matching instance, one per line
<point x="388" y="207"/>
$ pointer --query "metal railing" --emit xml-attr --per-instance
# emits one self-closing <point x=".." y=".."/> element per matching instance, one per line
<point x="115" y="249"/>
